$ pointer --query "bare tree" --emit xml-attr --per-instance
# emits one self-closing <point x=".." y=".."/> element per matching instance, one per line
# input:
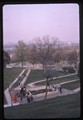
<point x="21" y="52"/>
<point x="45" y="47"/>
<point x="32" y="54"/>
<point x="45" y="50"/>
<point x="72" y="57"/>
<point x="6" y="58"/>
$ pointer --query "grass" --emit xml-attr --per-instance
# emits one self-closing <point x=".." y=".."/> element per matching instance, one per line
<point x="60" y="107"/>
<point x="36" y="75"/>
<point x="73" y="77"/>
<point x="59" y="80"/>
<point x="5" y="102"/>
<point x="10" y="74"/>
<point x="71" y="85"/>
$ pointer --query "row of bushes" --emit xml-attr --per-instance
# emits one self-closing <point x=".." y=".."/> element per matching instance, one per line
<point x="40" y="91"/>
<point x="69" y="69"/>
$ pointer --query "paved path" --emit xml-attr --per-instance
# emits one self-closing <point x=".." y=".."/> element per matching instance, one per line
<point x="52" y="94"/>
<point x="10" y="86"/>
<point x="13" y="104"/>
<point x="25" y="78"/>
<point x="42" y="95"/>
<point x="7" y="94"/>
<point x="39" y="87"/>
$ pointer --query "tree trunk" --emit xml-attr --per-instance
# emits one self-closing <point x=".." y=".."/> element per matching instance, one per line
<point x="46" y="93"/>
<point x="22" y="64"/>
<point x="47" y="84"/>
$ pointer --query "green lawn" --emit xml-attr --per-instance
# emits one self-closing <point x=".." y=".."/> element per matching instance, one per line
<point x="71" y="85"/>
<point x="73" y="77"/>
<point x="10" y="74"/>
<point x="5" y="102"/>
<point x="59" y="80"/>
<point x="60" y="107"/>
<point x="36" y="75"/>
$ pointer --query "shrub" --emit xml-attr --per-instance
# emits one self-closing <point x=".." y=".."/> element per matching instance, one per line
<point x="69" y="69"/>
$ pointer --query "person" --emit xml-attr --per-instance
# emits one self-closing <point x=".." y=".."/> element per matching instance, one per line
<point x="28" y="97"/>
<point x="31" y="97"/>
<point x="24" y="88"/>
<point x="21" y="90"/>
<point x="54" y="87"/>
<point x="19" y="82"/>
<point x="60" y="88"/>
<point x="15" y="99"/>
<point x="21" y="97"/>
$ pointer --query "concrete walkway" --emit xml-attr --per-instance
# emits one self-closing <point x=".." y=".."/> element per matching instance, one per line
<point x="10" y="86"/>
<point x="25" y="78"/>
<point x="52" y="94"/>
<point x="7" y="94"/>
<point x="41" y="96"/>
<point x="13" y="104"/>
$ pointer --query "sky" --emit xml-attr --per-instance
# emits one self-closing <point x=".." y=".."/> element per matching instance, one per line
<point x="27" y="21"/>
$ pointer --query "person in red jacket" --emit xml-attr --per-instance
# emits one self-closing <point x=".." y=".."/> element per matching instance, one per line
<point x="15" y="99"/>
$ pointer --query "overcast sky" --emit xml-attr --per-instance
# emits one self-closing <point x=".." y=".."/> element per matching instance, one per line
<point x="25" y="22"/>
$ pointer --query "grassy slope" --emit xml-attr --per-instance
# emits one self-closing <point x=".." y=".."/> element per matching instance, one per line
<point x="10" y="74"/>
<point x="72" y="85"/>
<point x="60" y="107"/>
<point x="36" y="75"/>
<point x="59" y="80"/>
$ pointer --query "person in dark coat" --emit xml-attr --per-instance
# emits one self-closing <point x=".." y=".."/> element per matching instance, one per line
<point x="60" y="88"/>
<point x="28" y="97"/>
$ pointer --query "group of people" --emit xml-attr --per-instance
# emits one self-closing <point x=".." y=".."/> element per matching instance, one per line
<point x="59" y="87"/>
<point x="23" y="94"/>
<point x="27" y="94"/>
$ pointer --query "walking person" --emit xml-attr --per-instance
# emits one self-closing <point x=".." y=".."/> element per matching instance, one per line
<point x="21" y="97"/>
<point x="60" y="88"/>
<point x="19" y="82"/>
<point x="28" y="97"/>
<point x="31" y="97"/>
